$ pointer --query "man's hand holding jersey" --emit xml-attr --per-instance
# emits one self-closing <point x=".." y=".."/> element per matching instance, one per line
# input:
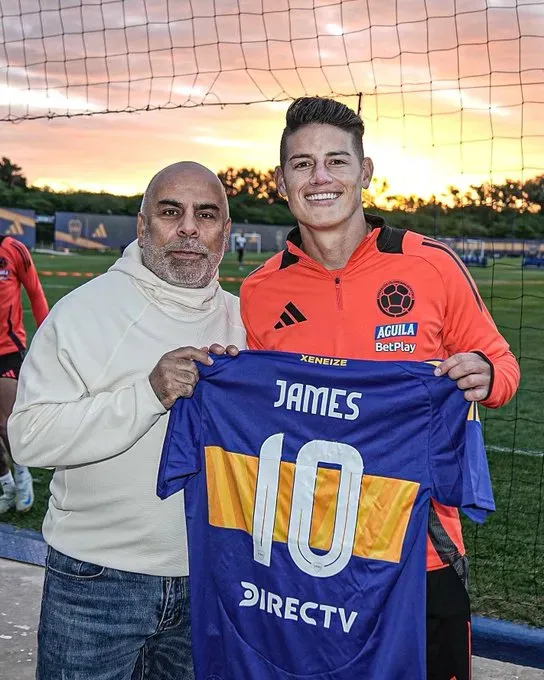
<point x="176" y="373"/>
<point x="471" y="372"/>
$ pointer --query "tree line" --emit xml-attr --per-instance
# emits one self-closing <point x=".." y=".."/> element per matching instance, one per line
<point x="514" y="209"/>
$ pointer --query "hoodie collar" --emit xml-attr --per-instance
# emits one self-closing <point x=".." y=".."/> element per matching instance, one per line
<point x="175" y="300"/>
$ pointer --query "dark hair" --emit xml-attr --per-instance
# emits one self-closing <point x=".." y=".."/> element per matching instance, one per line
<point x="308" y="110"/>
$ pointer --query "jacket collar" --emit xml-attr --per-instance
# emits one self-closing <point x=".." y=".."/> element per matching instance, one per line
<point x="374" y="221"/>
<point x="293" y="252"/>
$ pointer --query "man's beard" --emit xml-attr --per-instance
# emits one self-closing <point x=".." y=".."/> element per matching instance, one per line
<point x="178" y="272"/>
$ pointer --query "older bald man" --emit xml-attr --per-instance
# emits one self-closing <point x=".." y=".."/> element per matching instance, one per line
<point x="93" y="401"/>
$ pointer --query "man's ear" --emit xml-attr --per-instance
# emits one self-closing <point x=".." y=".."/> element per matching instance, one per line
<point x="279" y="179"/>
<point x="367" y="170"/>
<point x="228" y="225"/>
<point x="140" y="229"/>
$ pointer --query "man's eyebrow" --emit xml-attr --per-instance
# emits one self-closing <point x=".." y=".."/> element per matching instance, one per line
<point x="206" y="206"/>
<point x="170" y="201"/>
<point x="196" y="206"/>
<point x="329" y="153"/>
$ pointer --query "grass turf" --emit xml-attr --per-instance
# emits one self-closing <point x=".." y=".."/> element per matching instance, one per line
<point x="507" y="553"/>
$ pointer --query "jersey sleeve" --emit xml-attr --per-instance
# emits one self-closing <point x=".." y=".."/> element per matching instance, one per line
<point x="469" y="327"/>
<point x="458" y="461"/>
<point x="26" y="271"/>
<point x="181" y="452"/>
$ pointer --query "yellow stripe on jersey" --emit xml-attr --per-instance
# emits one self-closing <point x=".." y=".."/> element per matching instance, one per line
<point x="473" y="413"/>
<point x="385" y="504"/>
<point x="385" y="507"/>
<point x="231" y="481"/>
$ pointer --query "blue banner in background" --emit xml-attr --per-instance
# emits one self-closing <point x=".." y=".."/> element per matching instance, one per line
<point x="92" y="231"/>
<point x="20" y="224"/>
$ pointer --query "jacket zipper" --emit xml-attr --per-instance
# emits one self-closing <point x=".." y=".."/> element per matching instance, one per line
<point x="339" y="302"/>
<point x="307" y="262"/>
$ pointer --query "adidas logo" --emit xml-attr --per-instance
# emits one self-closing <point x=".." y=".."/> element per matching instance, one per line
<point x="15" y="229"/>
<point x="100" y="232"/>
<point x="290" y="316"/>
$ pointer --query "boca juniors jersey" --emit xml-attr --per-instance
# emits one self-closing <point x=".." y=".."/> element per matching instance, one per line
<point x="307" y="484"/>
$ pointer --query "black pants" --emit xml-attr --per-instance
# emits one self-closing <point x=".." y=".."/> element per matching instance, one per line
<point x="448" y="626"/>
<point x="240" y="252"/>
<point x="10" y="365"/>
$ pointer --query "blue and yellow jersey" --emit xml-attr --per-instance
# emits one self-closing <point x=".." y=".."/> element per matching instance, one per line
<point x="307" y="488"/>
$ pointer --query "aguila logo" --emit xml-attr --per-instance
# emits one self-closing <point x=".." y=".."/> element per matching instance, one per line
<point x="396" y="298"/>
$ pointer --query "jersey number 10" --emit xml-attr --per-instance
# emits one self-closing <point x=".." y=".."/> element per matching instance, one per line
<point x="266" y="496"/>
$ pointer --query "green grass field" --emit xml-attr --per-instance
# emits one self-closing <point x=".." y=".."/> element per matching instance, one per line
<point x="507" y="553"/>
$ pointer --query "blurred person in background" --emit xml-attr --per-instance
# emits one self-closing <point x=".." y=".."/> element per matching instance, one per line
<point x="16" y="269"/>
<point x="240" y="248"/>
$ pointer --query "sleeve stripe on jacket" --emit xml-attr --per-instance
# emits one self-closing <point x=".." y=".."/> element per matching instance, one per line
<point x="22" y="252"/>
<point x="445" y="249"/>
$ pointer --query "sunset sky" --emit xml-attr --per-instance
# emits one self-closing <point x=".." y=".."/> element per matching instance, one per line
<point x="453" y="92"/>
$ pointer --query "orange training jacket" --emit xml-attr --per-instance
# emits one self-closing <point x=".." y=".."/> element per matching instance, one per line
<point x="401" y="296"/>
<point x="16" y="268"/>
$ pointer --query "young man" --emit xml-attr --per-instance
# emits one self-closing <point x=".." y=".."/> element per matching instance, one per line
<point x="348" y="285"/>
<point x="240" y="248"/>
<point x="16" y="269"/>
<point x="93" y="401"/>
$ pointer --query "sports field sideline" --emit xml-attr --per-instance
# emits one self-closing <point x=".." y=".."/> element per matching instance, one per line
<point x="507" y="554"/>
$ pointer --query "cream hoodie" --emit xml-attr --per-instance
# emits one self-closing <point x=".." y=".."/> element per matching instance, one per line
<point x="85" y="406"/>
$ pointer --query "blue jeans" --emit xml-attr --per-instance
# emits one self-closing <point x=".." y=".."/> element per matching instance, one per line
<point x="102" y="624"/>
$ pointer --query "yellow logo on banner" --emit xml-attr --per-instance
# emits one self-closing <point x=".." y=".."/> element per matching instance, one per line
<point x="15" y="229"/>
<point x="100" y="232"/>
<point x="17" y="220"/>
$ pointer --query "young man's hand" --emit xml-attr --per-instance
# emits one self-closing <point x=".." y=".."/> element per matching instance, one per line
<point x="471" y="372"/>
